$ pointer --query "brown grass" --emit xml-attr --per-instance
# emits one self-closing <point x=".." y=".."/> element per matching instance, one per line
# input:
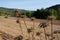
<point x="10" y="26"/>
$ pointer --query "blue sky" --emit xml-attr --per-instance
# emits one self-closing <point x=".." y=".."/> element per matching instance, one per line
<point x="28" y="4"/>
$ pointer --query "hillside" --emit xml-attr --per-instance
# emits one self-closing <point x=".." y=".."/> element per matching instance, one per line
<point x="44" y="13"/>
<point x="10" y="11"/>
<point x="39" y="13"/>
<point x="54" y="7"/>
<point x="55" y="10"/>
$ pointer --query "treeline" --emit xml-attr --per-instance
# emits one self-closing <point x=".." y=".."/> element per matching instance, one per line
<point x="44" y="13"/>
<point x="39" y="13"/>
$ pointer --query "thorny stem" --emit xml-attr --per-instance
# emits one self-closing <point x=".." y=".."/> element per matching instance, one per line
<point x="45" y="34"/>
<point x="25" y="22"/>
<point x="57" y="36"/>
<point x="40" y="37"/>
<point x="29" y="36"/>
<point x="33" y="30"/>
<point x="48" y="37"/>
<point x="51" y="29"/>
<point x="20" y="27"/>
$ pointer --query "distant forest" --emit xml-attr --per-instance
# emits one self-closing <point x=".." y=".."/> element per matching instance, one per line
<point x="39" y="13"/>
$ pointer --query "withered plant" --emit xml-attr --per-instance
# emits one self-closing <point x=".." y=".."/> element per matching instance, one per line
<point x="57" y="32"/>
<point x="33" y="20"/>
<point x="18" y="21"/>
<point x="24" y="18"/>
<point x="29" y="30"/>
<point x="38" y="34"/>
<point x="51" y="19"/>
<point x="43" y="25"/>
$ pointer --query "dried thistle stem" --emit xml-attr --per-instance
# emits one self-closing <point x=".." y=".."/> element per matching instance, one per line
<point x="51" y="29"/>
<point x="57" y="36"/>
<point x="33" y="30"/>
<point x="20" y="27"/>
<point x="45" y="34"/>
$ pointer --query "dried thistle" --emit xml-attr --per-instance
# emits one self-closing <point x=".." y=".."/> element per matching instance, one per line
<point x="17" y="20"/>
<point x="16" y="13"/>
<point x="32" y="18"/>
<point x="38" y="33"/>
<point x="26" y="39"/>
<point x="56" y="31"/>
<point x="29" y="30"/>
<point x="6" y="16"/>
<point x="51" y="18"/>
<point x="48" y="34"/>
<point x="52" y="38"/>
<point x="43" y="25"/>
<point x="20" y="37"/>
<point x="23" y="16"/>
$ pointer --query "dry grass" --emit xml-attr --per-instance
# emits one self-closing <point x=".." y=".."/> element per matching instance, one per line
<point x="10" y="26"/>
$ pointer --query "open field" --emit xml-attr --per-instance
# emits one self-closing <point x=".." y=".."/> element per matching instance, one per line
<point x="9" y="26"/>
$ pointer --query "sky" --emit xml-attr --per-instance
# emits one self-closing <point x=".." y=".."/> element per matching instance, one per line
<point x="28" y="4"/>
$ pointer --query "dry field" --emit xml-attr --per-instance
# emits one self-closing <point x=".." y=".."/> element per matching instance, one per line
<point x="9" y="26"/>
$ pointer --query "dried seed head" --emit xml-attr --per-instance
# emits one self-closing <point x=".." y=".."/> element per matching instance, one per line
<point x="17" y="21"/>
<point x="52" y="38"/>
<point x="56" y="31"/>
<point x="16" y="13"/>
<point x="51" y="18"/>
<point x="59" y="32"/>
<point x="23" y="16"/>
<point x="48" y="34"/>
<point x="38" y="33"/>
<point x="33" y="18"/>
<point x="20" y="37"/>
<point x="6" y="16"/>
<point x="43" y="25"/>
<point x="29" y="30"/>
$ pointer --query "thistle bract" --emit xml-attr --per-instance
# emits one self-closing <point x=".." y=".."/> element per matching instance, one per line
<point x="17" y="21"/>
<point x="29" y="30"/>
<point x="38" y="33"/>
<point x="43" y="25"/>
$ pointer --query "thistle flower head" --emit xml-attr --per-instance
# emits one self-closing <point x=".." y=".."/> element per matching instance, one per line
<point x="47" y="34"/>
<point x="51" y="18"/>
<point x="16" y="10"/>
<point x="17" y="20"/>
<point x="29" y="30"/>
<point x="56" y="31"/>
<point x="23" y="16"/>
<point x="38" y="33"/>
<point x="20" y="37"/>
<point x="32" y="18"/>
<point x="16" y="13"/>
<point x="43" y="25"/>
<point x="6" y="16"/>
<point x="52" y="38"/>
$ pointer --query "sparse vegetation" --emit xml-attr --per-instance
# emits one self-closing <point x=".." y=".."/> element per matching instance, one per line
<point x="29" y="23"/>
